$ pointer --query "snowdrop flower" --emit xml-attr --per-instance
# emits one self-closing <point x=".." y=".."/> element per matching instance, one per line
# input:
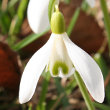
<point x="62" y="58"/>
<point x="38" y="14"/>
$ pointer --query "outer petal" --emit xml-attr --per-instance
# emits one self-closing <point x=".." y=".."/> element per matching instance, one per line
<point x="59" y="55"/>
<point x="38" y="15"/>
<point x="91" y="2"/>
<point x="87" y="68"/>
<point x="32" y="72"/>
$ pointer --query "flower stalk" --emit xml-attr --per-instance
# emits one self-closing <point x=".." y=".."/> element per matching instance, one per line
<point x="84" y="91"/>
<point x="106" y="19"/>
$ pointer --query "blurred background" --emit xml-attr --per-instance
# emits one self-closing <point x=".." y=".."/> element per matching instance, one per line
<point x="18" y="43"/>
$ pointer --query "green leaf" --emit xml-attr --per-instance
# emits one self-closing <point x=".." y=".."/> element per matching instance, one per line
<point x="12" y="3"/>
<point x="67" y="1"/>
<point x="11" y="7"/>
<point x="101" y="106"/>
<point x="106" y="19"/>
<point x="41" y="104"/>
<point x="70" y="87"/>
<point x="5" y="21"/>
<point x="85" y="7"/>
<point x="47" y="77"/>
<point x="73" y="21"/>
<point x="29" y="39"/>
<point x="30" y="107"/>
<point x="84" y="91"/>
<point x="19" y="17"/>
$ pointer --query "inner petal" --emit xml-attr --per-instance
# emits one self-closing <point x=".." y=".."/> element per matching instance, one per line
<point x="59" y="63"/>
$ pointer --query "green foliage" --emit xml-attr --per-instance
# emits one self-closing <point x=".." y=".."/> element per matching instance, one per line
<point x="11" y="20"/>
<point x="5" y="21"/>
<point x="29" y="39"/>
<point x="106" y="19"/>
<point x="73" y="21"/>
<point x="67" y="1"/>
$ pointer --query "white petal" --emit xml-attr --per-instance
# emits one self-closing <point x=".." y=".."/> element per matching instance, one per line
<point x="32" y="72"/>
<point x="91" y="2"/>
<point x="68" y="75"/>
<point x="58" y="57"/>
<point x="38" y="15"/>
<point x="87" y="68"/>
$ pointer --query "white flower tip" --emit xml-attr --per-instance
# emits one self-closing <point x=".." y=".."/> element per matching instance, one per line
<point x="99" y="93"/>
<point x="23" y="99"/>
<point x="100" y="97"/>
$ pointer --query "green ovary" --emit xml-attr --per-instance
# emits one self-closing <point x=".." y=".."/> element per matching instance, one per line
<point x="61" y="65"/>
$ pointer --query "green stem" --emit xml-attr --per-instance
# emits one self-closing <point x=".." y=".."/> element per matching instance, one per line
<point x="101" y="106"/>
<point x="18" y="19"/>
<point x="30" y="107"/>
<point x="73" y="21"/>
<point x="29" y="39"/>
<point x="21" y="14"/>
<point x="41" y="104"/>
<point x="106" y="19"/>
<point x="84" y="91"/>
<point x="46" y="80"/>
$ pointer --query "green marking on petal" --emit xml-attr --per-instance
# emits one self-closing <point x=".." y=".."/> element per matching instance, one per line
<point x="59" y="65"/>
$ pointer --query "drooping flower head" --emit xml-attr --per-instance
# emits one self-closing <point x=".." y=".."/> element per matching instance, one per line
<point x="62" y="58"/>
